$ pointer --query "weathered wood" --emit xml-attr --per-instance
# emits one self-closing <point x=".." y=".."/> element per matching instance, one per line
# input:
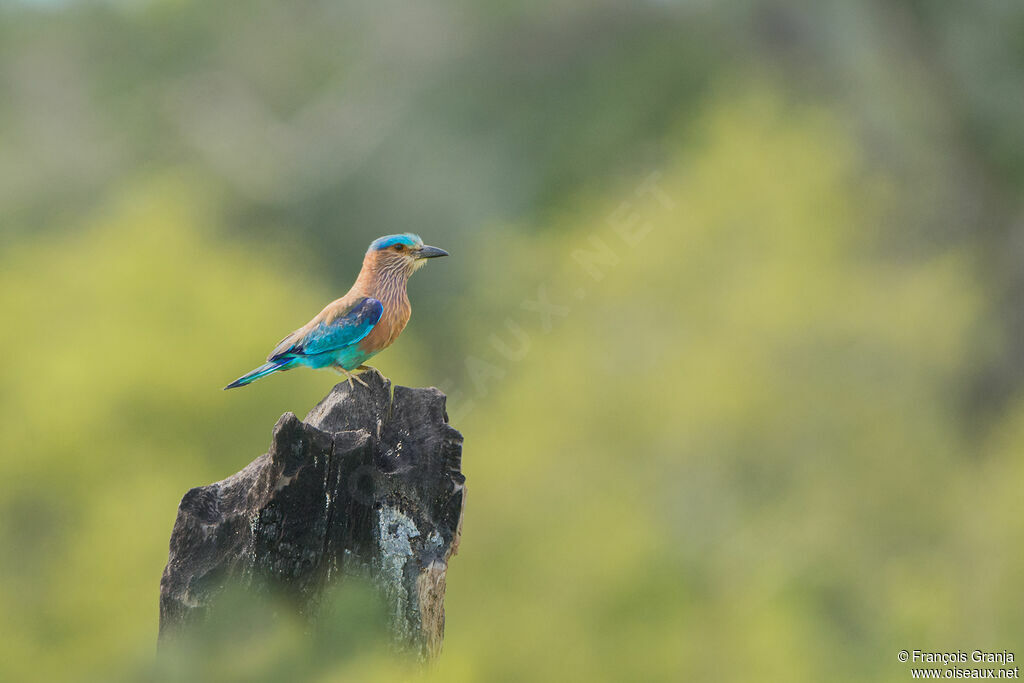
<point x="369" y="485"/>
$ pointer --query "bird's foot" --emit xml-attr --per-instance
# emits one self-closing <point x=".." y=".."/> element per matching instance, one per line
<point x="363" y="368"/>
<point x="351" y="377"/>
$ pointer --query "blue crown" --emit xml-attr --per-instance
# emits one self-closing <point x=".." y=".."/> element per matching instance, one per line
<point x="408" y="239"/>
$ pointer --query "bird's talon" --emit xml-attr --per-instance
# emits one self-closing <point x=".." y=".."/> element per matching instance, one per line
<point x="351" y="377"/>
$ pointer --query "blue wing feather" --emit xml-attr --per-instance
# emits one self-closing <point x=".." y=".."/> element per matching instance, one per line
<point x="343" y="332"/>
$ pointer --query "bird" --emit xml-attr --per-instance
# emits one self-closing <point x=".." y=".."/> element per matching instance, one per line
<point x="351" y="330"/>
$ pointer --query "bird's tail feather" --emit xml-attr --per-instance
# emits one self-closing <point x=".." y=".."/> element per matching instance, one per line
<point x="261" y="371"/>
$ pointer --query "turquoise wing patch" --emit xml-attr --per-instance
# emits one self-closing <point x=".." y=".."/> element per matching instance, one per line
<point x="345" y="331"/>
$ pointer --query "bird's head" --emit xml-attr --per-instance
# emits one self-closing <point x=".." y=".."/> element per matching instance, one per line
<point x="404" y="253"/>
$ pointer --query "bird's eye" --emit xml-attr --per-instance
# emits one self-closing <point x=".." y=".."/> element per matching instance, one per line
<point x="399" y="247"/>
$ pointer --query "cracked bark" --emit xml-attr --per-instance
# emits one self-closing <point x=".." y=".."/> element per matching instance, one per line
<point x="369" y="485"/>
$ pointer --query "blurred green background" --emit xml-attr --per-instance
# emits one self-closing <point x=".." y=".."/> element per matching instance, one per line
<point x="732" y="325"/>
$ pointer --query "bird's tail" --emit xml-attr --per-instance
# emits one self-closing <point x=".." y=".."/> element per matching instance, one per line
<point x="261" y="371"/>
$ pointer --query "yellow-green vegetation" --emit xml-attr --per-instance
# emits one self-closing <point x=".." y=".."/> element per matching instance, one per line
<point x="739" y="451"/>
<point x="132" y="322"/>
<point x="743" y="451"/>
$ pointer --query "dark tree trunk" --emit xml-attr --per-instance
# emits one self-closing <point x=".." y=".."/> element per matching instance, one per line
<point x="369" y="485"/>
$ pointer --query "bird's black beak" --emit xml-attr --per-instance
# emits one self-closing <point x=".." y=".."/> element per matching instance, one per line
<point x="430" y="252"/>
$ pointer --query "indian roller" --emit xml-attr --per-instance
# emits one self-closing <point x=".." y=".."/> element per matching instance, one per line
<point x="361" y="324"/>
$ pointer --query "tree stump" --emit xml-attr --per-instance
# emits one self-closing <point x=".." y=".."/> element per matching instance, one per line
<point x="369" y="486"/>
